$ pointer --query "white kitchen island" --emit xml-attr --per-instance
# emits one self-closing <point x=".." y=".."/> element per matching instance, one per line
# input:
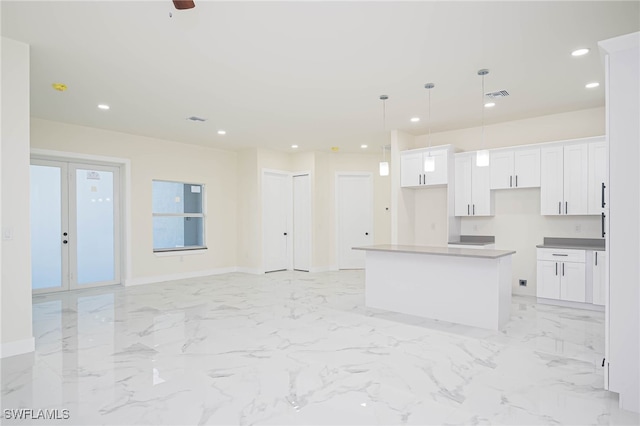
<point x="459" y="285"/>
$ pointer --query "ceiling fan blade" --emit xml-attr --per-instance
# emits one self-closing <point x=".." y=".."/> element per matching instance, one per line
<point x="184" y="4"/>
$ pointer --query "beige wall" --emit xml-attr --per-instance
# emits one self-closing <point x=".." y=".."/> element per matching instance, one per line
<point x="517" y="224"/>
<point x="158" y="159"/>
<point x="15" y="285"/>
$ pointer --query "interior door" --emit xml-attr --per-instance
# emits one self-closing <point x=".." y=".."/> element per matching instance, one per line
<point x="75" y="226"/>
<point x="354" y="203"/>
<point x="301" y="222"/>
<point x="276" y="208"/>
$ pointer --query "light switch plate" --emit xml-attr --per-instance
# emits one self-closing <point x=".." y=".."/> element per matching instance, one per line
<point x="7" y="233"/>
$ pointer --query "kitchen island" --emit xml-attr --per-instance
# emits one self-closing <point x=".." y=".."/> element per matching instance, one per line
<point x="459" y="285"/>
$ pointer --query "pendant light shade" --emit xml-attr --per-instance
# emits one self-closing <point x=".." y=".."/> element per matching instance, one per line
<point x="384" y="164"/>
<point x="482" y="156"/>
<point x="429" y="160"/>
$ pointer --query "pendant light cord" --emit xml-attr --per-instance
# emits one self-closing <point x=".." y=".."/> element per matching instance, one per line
<point x="482" y="106"/>
<point x="384" y="125"/>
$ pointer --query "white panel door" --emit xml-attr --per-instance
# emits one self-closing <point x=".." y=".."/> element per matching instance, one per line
<point x="354" y="210"/>
<point x="598" y="177"/>
<point x="276" y="208"/>
<point x="480" y="190"/>
<point x="501" y="166"/>
<point x="548" y="282"/>
<point x="526" y="168"/>
<point x="302" y="222"/>
<point x="573" y="282"/>
<point x="551" y="181"/>
<point x="411" y="169"/>
<point x="576" y="179"/>
<point x="462" y="202"/>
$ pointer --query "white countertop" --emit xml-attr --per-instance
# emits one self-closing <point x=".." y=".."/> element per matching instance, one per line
<point x="439" y="251"/>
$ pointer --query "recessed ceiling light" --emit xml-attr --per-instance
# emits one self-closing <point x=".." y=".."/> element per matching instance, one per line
<point x="580" y="52"/>
<point x="103" y="106"/>
<point x="415" y="119"/>
<point x="592" y="85"/>
<point x="294" y="146"/>
<point x="222" y="132"/>
<point x="489" y="104"/>
<point x="363" y="146"/>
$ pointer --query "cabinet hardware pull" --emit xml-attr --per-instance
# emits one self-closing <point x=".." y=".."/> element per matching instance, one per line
<point x="559" y="207"/>
<point x="556" y="269"/>
<point x="510" y="181"/>
<point x="419" y="179"/>
<point x="555" y="254"/>
<point x="603" y="187"/>
<point x="467" y="209"/>
<point x="566" y="207"/>
<point x="596" y="258"/>
<point x="474" y="209"/>
<point x="603" y="233"/>
<point x="563" y="269"/>
<point x="516" y="181"/>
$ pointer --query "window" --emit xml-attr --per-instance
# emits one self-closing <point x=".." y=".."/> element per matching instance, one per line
<point x="178" y="216"/>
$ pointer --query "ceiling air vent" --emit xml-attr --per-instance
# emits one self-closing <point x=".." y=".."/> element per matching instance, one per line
<point x="194" y="118"/>
<point x="498" y="94"/>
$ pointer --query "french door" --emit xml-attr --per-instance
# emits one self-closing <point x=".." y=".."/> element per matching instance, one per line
<point x="75" y="225"/>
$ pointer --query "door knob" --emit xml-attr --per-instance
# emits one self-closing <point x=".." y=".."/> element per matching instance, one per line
<point x="64" y="234"/>
<point x="366" y="233"/>
<point x="285" y="233"/>
<point x="64" y="241"/>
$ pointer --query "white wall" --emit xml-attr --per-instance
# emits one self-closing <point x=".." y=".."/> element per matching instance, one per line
<point x="16" y="328"/>
<point x="159" y="159"/>
<point x="517" y="224"/>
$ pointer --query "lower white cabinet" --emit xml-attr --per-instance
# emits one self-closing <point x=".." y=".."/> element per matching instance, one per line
<point x="599" y="278"/>
<point x="561" y="275"/>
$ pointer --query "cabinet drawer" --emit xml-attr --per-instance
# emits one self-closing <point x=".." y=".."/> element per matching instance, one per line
<point x="561" y="255"/>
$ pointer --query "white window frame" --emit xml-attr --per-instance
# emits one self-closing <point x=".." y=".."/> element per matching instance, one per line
<point x="202" y="215"/>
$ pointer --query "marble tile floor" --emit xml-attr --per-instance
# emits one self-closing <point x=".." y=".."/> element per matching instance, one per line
<point x="301" y="349"/>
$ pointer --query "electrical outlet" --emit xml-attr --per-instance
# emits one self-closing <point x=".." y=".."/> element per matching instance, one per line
<point x="523" y="283"/>
<point x="578" y="228"/>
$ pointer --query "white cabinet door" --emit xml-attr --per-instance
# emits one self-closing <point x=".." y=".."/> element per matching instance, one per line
<point x="573" y="282"/>
<point x="439" y="175"/>
<point x="548" y="284"/>
<point x="463" y="185"/>
<point x="599" y="278"/>
<point x="598" y="177"/>
<point x="551" y="181"/>
<point x="501" y="165"/>
<point x="576" y="179"/>
<point x="526" y="168"/>
<point x="480" y="190"/>
<point x="411" y="169"/>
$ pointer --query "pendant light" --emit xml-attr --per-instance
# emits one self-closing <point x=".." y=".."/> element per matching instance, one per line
<point x="482" y="156"/>
<point x="429" y="160"/>
<point x="384" y="164"/>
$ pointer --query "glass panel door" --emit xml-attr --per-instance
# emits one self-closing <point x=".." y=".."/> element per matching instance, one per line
<point x="94" y="211"/>
<point x="49" y="253"/>
<point x="75" y="228"/>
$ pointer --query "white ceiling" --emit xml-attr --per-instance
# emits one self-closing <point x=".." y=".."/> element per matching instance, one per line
<point x="274" y="74"/>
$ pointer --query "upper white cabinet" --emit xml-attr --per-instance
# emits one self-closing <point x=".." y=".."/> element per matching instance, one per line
<point x="518" y="168"/>
<point x="598" y="177"/>
<point x="563" y="182"/>
<point x="412" y="173"/>
<point x="472" y="191"/>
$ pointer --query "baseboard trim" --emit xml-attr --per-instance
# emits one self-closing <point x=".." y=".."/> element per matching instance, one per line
<point x="17" y="347"/>
<point x="180" y="276"/>
<point x="320" y="269"/>
<point x="334" y="268"/>
<point x="567" y="304"/>
<point x="252" y="271"/>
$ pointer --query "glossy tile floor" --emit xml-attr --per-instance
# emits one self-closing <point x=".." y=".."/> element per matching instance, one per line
<point x="299" y="348"/>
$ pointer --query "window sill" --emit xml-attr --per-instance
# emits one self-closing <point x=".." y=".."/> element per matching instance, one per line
<point x="180" y="252"/>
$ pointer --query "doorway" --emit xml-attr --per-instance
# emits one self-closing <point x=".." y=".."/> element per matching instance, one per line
<point x="354" y="218"/>
<point x="75" y="225"/>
